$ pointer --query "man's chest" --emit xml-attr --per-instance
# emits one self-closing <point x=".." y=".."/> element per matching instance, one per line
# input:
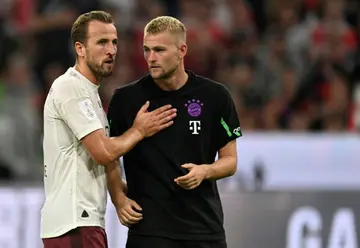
<point x="195" y="115"/>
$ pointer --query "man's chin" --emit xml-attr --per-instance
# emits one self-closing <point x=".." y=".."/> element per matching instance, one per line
<point x="156" y="75"/>
<point x="106" y="74"/>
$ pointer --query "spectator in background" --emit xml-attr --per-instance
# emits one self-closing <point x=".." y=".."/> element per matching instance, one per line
<point x="333" y="39"/>
<point x="51" y="24"/>
<point x="324" y="98"/>
<point x="20" y="143"/>
<point x="288" y="47"/>
<point x="143" y="11"/>
<point x="205" y="36"/>
<point x="7" y="43"/>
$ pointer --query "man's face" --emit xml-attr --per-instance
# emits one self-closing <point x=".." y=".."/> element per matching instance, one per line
<point x="162" y="54"/>
<point x="101" y="48"/>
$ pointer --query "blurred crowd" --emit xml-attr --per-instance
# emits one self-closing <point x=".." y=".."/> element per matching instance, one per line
<point x="291" y="65"/>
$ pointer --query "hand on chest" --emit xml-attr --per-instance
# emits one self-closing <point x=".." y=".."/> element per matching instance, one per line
<point x="193" y="115"/>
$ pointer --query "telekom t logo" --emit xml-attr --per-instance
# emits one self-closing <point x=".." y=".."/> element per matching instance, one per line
<point x="195" y="126"/>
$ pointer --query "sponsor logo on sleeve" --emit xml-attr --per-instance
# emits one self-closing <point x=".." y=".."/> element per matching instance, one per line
<point x="87" y="109"/>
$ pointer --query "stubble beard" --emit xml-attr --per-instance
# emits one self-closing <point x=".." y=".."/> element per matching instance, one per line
<point x="167" y="74"/>
<point x="97" y="70"/>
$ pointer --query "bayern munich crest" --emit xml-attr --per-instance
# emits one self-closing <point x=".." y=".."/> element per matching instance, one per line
<point x="194" y="107"/>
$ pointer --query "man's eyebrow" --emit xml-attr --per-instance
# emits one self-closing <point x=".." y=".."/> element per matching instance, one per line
<point x="155" y="47"/>
<point x="101" y="39"/>
<point x="105" y="39"/>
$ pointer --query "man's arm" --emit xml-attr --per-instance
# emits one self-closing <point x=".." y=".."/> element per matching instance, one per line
<point x="128" y="211"/>
<point x="115" y="184"/>
<point x="228" y="130"/>
<point x="76" y="109"/>
<point x="226" y="165"/>
<point x="124" y="185"/>
<point x="105" y="150"/>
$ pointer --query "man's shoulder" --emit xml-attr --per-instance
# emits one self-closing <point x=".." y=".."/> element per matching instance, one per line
<point x="63" y="81"/>
<point x="211" y="85"/>
<point x="67" y="84"/>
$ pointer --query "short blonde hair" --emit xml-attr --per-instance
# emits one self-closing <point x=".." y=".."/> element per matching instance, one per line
<point x="165" y="24"/>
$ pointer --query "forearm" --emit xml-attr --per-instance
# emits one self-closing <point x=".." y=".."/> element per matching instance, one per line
<point x="106" y="150"/>
<point x="119" y="146"/>
<point x="116" y="186"/>
<point x="223" y="167"/>
<point x="124" y="186"/>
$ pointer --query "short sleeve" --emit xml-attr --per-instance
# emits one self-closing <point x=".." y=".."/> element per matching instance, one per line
<point x="73" y="104"/>
<point x="79" y="114"/>
<point x="227" y="123"/>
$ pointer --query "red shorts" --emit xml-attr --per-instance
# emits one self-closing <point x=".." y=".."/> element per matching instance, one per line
<point x="81" y="237"/>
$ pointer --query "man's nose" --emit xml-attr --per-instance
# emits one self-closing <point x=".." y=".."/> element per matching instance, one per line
<point x="112" y="50"/>
<point x="152" y="56"/>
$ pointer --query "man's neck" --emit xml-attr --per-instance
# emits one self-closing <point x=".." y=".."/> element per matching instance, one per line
<point x="175" y="82"/>
<point x="86" y="72"/>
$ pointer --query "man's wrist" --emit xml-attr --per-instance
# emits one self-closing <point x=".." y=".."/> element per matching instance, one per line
<point x="136" y="131"/>
<point x="120" y="199"/>
<point x="207" y="171"/>
<point x="124" y="186"/>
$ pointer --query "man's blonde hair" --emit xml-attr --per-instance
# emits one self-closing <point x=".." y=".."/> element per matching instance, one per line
<point x="166" y="24"/>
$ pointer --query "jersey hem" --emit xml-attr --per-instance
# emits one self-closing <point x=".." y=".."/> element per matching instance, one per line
<point x="197" y="237"/>
<point x="68" y="229"/>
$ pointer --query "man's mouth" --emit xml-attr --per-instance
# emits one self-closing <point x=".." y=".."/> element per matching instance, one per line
<point x="154" y="67"/>
<point x="109" y="61"/>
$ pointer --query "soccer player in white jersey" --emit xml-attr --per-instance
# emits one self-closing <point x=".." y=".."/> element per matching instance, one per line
<point x="80" y="160"/>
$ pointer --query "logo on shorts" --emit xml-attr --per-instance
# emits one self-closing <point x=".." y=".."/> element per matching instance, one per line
<point x="194" y="107"/>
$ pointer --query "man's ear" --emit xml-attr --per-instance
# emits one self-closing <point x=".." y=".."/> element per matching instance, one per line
<point x="79" y="49"/>
<point x="183" y="50"/>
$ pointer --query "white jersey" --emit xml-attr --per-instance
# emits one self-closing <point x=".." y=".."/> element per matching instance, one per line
<point x="75" y="185"/>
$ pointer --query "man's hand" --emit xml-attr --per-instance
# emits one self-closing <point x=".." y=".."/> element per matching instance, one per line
<point x="197" y="173"/>
<point x="127" y="214"/>
<point x="149" y="123"/>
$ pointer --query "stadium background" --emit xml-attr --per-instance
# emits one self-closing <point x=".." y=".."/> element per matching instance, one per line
<point x="293" y="67"/>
